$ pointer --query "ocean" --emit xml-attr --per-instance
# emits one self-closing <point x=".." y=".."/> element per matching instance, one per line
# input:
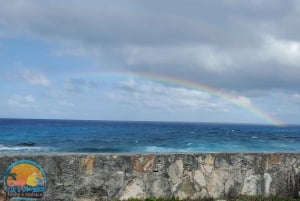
<point x="45" y="136"/>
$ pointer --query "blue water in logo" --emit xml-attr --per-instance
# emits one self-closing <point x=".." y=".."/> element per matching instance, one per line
<point x="40" y="136"/>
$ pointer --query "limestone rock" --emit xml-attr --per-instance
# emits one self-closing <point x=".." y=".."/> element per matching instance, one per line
<point x="134" y="189"/>
<point x="143" y="164"/>
<point x="274" y="159"/>
<point x="268" y="180"/>
<point x="207" y="164"/>
<point x="88" y="163"/>
<point x="104" y="177"/>
<point x="188" y="190"/>
<point x="216" y="183"/>
<point x="175" y="172"/>
<point x="209" y="160"/>
<point x="199" y="178"/>
<point x="251" y="184"/>
<point x="160" y="188"/>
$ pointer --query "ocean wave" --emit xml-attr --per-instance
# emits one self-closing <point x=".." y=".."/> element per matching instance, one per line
<point x="100" y="150"/>
<point x="27" y="144"/>
<point x="156" y="149"/>
<point x="25" y="149"/>
<point x="146" y="149"/>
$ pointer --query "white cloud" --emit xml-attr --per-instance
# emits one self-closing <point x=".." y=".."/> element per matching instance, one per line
<point x="214" y="59"/>
<point x="66" y="103"/>
<point x="27" y="101"/>
<point x="67" y="51"/>
<point x="286" y="52"/>
<point x="34" y="78"/>
<point x="199" y="56"/>
<point x="296" y="97"/>
<point x="219" y="43"/>
<point x="156" y="96"/>
<point x="244" y="100"/>
<point x="80" y="85"/>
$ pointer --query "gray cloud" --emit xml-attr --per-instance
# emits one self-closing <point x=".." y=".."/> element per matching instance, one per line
<point x="153" y="23"/>
<point x="235" y="45"/>
<point x="34" y="78"/>
<point x="66" y="103"/>
<point x="27" y="101"/>
<point x="156" y="96"/>
<point x="80" y="85"/>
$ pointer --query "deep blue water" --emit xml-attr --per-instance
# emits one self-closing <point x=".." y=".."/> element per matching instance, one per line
<point x="33" y="136"/>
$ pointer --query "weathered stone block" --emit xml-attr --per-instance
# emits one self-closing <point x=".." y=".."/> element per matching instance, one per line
<point x="94" y="177"/>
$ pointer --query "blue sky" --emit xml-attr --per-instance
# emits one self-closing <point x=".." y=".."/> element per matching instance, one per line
<point x="83" y="61"/>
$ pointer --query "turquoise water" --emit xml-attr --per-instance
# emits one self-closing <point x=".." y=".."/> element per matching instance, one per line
<point x="40" y="136"/>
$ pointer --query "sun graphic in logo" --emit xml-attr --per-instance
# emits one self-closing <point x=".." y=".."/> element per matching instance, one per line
<point x="25" y="174"/>
<point x="25" y="178"/>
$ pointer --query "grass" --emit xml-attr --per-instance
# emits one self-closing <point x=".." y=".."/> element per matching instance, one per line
<point x="240" y="198"/>
<point x="263" y="198"/>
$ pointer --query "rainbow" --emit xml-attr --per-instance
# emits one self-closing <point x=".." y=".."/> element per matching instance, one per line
<point x="200" y="87"/>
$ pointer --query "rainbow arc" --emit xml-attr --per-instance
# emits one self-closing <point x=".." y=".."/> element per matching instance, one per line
<point x="197" y="86"/>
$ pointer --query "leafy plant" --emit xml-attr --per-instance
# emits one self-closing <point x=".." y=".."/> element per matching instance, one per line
<point x="239" y="198"/>
<point x="12" y="175"/>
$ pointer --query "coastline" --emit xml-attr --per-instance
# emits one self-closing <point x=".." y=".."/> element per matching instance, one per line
<point x="99" y="176"/>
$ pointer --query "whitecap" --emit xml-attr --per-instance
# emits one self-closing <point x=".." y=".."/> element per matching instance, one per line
<point x="155" y="149"/>
<point x="25" y="149"/>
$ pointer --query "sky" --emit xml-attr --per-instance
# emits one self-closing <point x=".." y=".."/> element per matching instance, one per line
<point x="140" y="60"/>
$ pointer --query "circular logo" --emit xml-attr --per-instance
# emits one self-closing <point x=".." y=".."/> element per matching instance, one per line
<point x="25" y="179"/>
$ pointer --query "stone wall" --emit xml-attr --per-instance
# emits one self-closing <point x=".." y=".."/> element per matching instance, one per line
<point x="81" y="177"/>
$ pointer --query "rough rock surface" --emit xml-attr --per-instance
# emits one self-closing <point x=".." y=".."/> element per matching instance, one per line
<point x="96" y="177"/>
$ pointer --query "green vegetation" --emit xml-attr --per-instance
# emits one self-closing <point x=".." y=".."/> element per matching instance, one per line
<point x="263" y="198"/>
<point x="240" y="198"/>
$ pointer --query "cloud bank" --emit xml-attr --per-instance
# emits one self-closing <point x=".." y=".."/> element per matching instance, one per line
<point x="250" y="49"/>
<point x="227" y="44"/>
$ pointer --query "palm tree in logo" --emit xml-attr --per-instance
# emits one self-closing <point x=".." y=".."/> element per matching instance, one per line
<point x="12" y="175"/>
